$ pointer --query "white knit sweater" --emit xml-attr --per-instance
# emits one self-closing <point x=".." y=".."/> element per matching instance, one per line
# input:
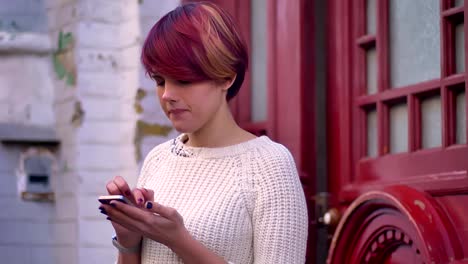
<point x="244" y="202"/>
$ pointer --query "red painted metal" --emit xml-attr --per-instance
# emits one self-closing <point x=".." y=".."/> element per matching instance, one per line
<point x="339" y="97"/>
<point x="436" y="176"/>
<point x="398" y="222"/>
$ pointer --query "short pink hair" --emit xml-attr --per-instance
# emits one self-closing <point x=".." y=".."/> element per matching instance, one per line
<point x="197" y="42"/>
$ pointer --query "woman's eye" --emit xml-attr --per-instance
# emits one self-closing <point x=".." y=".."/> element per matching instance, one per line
<point x="160" y="82"/>
<point x="184" y="82"/>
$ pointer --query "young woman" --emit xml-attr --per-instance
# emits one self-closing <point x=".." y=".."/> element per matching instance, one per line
<point x="216" y="193"/>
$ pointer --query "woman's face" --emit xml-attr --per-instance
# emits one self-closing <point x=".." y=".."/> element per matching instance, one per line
<point x="190" y="106"/>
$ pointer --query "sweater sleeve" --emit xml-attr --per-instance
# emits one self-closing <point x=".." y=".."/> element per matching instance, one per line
<point x="280" y="219"/>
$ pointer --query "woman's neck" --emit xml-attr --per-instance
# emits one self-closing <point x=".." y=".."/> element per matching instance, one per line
<point x="222" y="131"/>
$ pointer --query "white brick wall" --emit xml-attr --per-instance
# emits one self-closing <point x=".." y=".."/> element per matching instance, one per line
<point x="108" y="37"/>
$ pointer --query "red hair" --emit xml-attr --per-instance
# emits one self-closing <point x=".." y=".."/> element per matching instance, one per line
<point x="196" y="42"/>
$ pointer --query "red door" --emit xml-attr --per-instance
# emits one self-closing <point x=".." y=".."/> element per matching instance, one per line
<point x="396" y="109"/>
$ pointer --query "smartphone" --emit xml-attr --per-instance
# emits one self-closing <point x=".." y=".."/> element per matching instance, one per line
<point x="106" y="199"/>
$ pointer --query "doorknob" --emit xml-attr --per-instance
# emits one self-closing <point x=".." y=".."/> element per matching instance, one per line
<point x="331" y="218"/>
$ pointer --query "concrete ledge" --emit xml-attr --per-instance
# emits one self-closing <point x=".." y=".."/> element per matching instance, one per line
<point x="11" y="133"/>
<point x="25" y="42"/>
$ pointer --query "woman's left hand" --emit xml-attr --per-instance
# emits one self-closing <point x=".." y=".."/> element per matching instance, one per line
<point x="154" y="221"/>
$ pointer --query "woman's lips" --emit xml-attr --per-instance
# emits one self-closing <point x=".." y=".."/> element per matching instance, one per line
<point x="177" y="111"/>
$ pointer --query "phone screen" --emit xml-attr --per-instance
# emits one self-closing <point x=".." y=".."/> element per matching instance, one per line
<point x="106" y="199"/>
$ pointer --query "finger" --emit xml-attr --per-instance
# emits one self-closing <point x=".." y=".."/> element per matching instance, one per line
<point x="139" y="197"/>
<point x="123" y="187"/>
<point x="120" y="218"/>
<point x="149" y="194"/>
<point x="112" y="188"/>
<point x="164" y="211"/>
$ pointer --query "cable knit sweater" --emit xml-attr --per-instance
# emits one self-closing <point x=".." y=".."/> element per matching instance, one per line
<point x="244" y="202"/>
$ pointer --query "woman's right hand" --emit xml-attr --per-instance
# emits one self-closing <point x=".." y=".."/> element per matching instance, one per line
<point x="118" y="186"/>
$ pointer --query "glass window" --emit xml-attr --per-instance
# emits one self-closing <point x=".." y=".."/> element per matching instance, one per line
<point x="372" y="149"/>
<point x="461" y="118"/>
<point x="460" y="48"/>
<point x="431" y="122"/>
<point x="371" y="73"/>
<point x="371" y="9"/>
<point x="259" y="57"/>
<point x="398" y="128"/>
<point x="414" y="41"/>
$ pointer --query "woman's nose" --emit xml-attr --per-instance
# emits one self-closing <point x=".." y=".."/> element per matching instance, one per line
<point x="169" y="93"/>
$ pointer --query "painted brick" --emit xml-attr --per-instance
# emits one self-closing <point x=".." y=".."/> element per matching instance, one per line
<point x="4" y="112"/>
<point x="43" y="255"/>
<point x="89" y="208"/>
<point x="66" y="207"/>
<point x="9" y="159"/>
<point x="62" y="91"/>
<point x="94" y="182"/>
<point x="111" y="60"/>
<point x="15" y="254"/>
<point x="38" y="233"/>
<point x="109" y="11"/>
<point x="109" y="133"/>
<point x="68" y="255"/>
<point x="95" y="232"/>
<point x="108" y="84"/>
<point x="93" y="34"/>
<point x="66" y="182"/>
<point x="152" y="110"/>
<point x="97" y="255"/>
<point x="60" y="16"/>
<point x="64" y="113"/>
<point x="160" y="7"/>
<point x="8" y="184"/>
<point x="105" y="157"/>
<point x="57" y="3"/>
<point x="97" y="109"/>
<point x="6" y="84"/>
<point x="13" y="208"/>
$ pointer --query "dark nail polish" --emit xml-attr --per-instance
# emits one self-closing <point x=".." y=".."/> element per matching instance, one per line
<point x="108" y="218"/>
<point x="149" y="205"/>
<point x="113" y="204"/>
<point x="127" y="193"/>
<point x="103" y="211"/>
<point x="101" y="208"/>
<point x="140" y="200"/>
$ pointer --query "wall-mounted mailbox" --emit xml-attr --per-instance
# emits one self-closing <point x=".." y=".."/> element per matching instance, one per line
<point x="37" y="163"/>
<point x="36" y="174"/>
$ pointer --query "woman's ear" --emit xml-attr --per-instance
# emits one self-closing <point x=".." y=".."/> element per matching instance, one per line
<point x="229" y="82"/>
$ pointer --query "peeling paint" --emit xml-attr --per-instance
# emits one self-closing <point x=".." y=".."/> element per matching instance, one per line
<point x="78" y="114"/>
<point x="139" y="96"/>
<point x="63" y="59"/>
<point x="420" y="204"/>
<point x="144" y="129"/>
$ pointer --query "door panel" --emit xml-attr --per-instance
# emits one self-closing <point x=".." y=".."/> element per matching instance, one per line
<point x="398" y="224"/>
<point x="397" y="136"/>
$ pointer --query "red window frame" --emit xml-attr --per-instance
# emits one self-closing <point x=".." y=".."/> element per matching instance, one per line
<point x="417" y="167"/>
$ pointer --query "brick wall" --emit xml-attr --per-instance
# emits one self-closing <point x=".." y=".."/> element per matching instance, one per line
<point x="102" y="107"/>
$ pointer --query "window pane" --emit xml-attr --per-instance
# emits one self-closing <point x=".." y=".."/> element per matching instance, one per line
<point x="372" y="149"/>
<point x="414" y="41"/>
<point x="461" y="118"/>
<point x="371" y="9"/>
<point x="371" y="73"/>
<point x="460" y="48"/>
<point x="431" y="125"/>
<point x="398" y="128"/>
<point x="259" y="56"/>
<point x="459" y="2"/>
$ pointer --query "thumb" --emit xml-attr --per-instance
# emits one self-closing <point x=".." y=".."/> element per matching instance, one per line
<point x="164" y="211"/>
